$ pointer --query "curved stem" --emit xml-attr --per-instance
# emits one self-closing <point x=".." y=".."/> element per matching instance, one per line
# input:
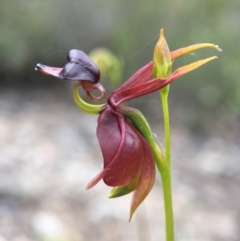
<point x="84" y="106"/>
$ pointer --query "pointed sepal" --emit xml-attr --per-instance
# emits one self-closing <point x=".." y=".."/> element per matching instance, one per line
<point x="146" y="179"/>
<point x="121" y="191"/>
<point x="179" y="52"/>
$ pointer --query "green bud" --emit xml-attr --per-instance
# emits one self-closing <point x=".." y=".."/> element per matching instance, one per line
<point x="162" y="58"/>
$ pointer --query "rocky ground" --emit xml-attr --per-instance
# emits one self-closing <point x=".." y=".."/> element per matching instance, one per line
<point x="49" y="152"/>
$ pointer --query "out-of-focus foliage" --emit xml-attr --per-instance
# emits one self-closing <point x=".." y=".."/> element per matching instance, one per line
<point x="109" y="65"/>
<point x="43" y="31"/>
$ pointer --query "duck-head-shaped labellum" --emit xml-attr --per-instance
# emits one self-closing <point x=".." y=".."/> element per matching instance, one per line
<point x="79" y="67"/>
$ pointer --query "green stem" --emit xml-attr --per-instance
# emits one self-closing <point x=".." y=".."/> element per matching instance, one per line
<point x="164" y="98"/>
<point x="143" y="127"/>
<point x="167" y="193"/>
<point x="166" y="175"/>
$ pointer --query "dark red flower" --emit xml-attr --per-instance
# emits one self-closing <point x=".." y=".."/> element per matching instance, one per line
<point x="128" y="158"/>
<point x="124" y="136"/>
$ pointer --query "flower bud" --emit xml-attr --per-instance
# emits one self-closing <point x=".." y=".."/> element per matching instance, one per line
<point x="162" y="58"/>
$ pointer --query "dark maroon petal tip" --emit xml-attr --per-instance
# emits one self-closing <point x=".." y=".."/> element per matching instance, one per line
<point x="80" y="67"/>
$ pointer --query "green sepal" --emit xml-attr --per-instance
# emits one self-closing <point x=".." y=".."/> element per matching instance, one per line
<point x="138" y="120"/>
<point x="84" y="106"/>
<point x="141" y="124"/>
<point x="121" y="191"/>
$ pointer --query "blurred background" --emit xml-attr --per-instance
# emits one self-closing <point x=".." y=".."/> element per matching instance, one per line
<point x="48" y="148"/>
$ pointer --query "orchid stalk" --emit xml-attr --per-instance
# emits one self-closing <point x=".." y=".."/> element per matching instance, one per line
<point x="162" y="69"/>
<point x="129" y="151"/>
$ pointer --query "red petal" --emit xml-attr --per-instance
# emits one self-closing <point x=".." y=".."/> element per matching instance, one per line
<point x="141" y="76"/>
<point x="121" y="148"/>
<point x="136" y="91"/>
<point x="146" y="179"/>
<point x="153" y="85"/>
